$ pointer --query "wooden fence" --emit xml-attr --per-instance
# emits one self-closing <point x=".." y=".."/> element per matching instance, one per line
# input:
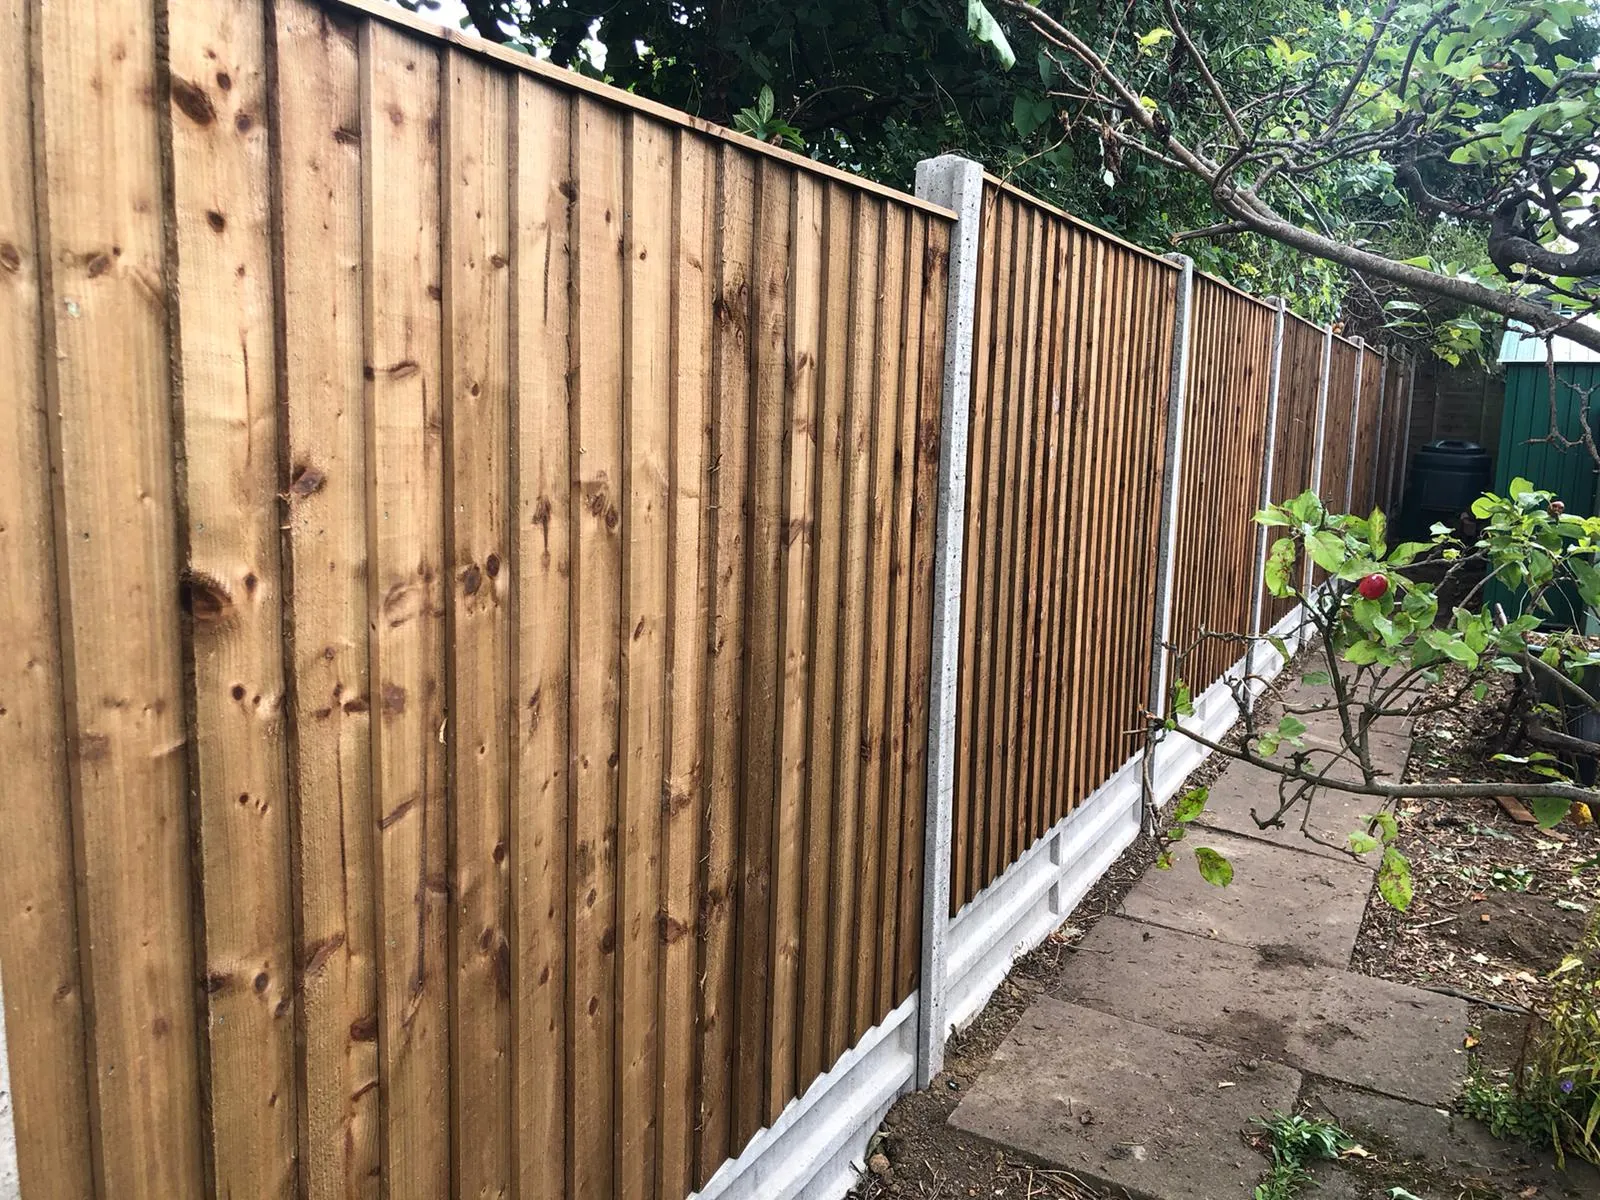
<point x="1224" y="441"/>
<point x="466" y="565"/>
<point x="1072" y="352"/>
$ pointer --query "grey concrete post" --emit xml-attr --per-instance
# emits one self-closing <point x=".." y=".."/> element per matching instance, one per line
<point x="1171" y="483"/>
<point x="1258" y="601"/>
<point x="1355" y="427"/>
<point x="957" y="184"/>
<point x="10" y="1182"/>
<point x="1405" y="437"/>
<point x="1318" y="445"/>
<point x="1377" y="441"/>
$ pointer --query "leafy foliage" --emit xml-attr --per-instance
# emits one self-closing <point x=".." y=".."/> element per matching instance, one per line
<point x="1555" y="1102"/>
<point x="1294" y="1142"/>
<point x="1442" y="148"/>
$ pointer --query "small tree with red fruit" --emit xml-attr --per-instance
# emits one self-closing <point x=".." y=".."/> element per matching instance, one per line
<point x="1405" y="631"/>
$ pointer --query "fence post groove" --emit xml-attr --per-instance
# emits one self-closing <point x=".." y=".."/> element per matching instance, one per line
<point x="1171" y="481"/>
<point x="1355" y="426"/>
<point x="1274" y="386"/>
<point x="956" y="183"/>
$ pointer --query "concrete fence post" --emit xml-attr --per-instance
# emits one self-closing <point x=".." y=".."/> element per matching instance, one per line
<point x="1355" y="428"/>
<point x="1405" y="434"/>
<point x="1377" y="437"/>
<point x="957" y="184"/>
<point x="1171" y="483"/>
<point x="1319" y="439"/>
<point x="1258" y="600"/>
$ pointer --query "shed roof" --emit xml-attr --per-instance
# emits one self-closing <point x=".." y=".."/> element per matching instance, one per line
<point x="1520" y="346"/>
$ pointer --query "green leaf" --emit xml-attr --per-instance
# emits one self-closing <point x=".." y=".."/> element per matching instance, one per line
<point x="1214" y="869"/>
<point x="1182" y="701"/>
<point x="1549" y="810"/>
<point x="1279" y="645"/>
<point x="1388" y="827"/>
<point x="1483" y="507"/>
<point x="1376" y="528"/>
<point x="1362" y="843"/>
<point x="1394" y="879"/>
<point x="1280" y="562"/>
<point x="984" y="28"/>
<point x="1190" y="805"/>
<point x="1290" y="728"/>
<point x="1316" y="679"/>
<point x="1164" y="861"/>
<point x="1407" y="552"/>
<point x="1327" y="550"/>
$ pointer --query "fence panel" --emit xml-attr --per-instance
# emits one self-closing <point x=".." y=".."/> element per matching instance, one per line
<point x="556" y="484"/>
<point x="1294" y="445"/>
<point x="1224" y="442"/>
<point x="1369" y="414"/>
<point x="1071" y="362"/>
<point x="1339" y="425"/>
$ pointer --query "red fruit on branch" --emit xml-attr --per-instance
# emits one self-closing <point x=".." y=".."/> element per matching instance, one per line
<point x="1373" y="586"/>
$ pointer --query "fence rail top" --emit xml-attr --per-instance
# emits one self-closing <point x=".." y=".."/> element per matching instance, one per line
<point x="1307" y="322"/>
<point x="393" y="14"/>
<point x="1351" y="342"/>
<point x="1263" y="301"/>
<point x="1012" y="189"/>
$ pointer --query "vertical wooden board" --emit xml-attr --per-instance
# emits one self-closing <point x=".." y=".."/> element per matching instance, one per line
<point x="886" y="385"/>
<point x="44" y="997"/>
<point x="541" y="811"/>
<point x="925" y="446"/>
<point x="600" y="526"/>
<point x="401" y="196"/>
<point x="100" y="185"/>
<point x="985" y="598"/>
<point x="225" y="374"/>
<point x="1120" y="430"/>
<point x="1002" y="798"/>
<point x="1078" y="713"/>
<point x="895" y="798"/>
<point x="964" y="830"/>
<point x="477" y="414"/>
<point x="729" y="474"/>
<point x="828" y="470"/>
<point x="1068" y="266"/>
<point x="861" y="339"/>
<point x="769" y="291"/>
<point x="797" y="539"/>
<point x="688" y="555"/>
<point x="1041" y="453"/>
<point x="647" y="388"/>
<point x="318" y="189"/>
<point x="1022" y="399"/>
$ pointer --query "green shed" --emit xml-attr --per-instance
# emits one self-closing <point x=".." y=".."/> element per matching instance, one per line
<point x="1568" y="471"/>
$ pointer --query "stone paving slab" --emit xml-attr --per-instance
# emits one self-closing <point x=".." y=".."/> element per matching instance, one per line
<point x="1278" y="897"/>
<point x="1334" y="815"/>
<point x="1274" y="1003"/>
<point x="1125" y="1106"/>
<point x="1437" y="1142"/>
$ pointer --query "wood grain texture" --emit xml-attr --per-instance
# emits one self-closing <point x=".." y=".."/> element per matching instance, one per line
<point x="828" y="470"/>
<point x="119" y="562"/>
<point x="225" y="376"/>
<point x="688" y="624"/>
<point x="730" y="397"/>
<point x="643" y="727"/>
<point x="39" y="952"/>
<point x="541" y="810"/>
<point x="598" y="534"/>
<point x="848" y="724"/>
<point x="793" y="662"/>
<point x="318" y="189"/>
<point x="477" y="422"/>
<point x="400" y="85"/>
<point x="551" y="484"/>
